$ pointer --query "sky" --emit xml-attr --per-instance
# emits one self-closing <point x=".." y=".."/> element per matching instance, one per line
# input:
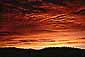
<point x="39" y="24"/>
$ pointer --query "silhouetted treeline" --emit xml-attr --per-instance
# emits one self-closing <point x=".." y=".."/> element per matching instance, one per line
<point x="47" y="52"/>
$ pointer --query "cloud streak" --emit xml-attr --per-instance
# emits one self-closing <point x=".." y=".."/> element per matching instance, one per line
<point x="41" y="21"/>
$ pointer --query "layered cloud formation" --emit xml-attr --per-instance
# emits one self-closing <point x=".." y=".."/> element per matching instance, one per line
<point x="29" y="21"/>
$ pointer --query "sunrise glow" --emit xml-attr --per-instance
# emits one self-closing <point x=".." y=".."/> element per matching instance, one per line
<point x="39" y="24"/>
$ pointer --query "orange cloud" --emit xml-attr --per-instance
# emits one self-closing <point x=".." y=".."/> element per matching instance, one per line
<point x="42" y="23"/>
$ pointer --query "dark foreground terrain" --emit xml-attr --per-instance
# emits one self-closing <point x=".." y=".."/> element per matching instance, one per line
<point x="47" y="52"/>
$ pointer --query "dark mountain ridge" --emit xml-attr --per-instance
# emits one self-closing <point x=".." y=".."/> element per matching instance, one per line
<point x="47" y="52"/>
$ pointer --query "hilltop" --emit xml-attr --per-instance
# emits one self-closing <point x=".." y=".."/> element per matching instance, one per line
<point x="47" y="52"/>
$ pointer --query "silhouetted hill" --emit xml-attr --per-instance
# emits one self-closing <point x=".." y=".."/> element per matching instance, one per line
<point x="47" y="52"/>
